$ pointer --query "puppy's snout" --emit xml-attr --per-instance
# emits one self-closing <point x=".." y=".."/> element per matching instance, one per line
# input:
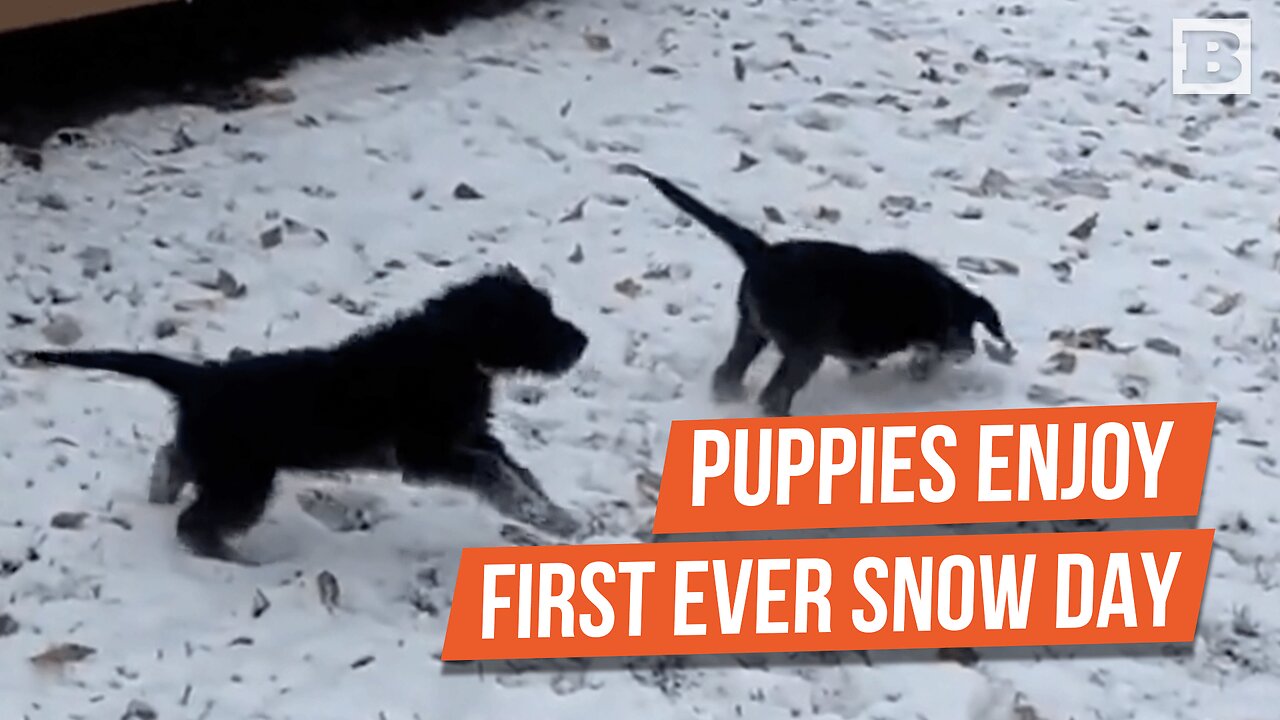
<point x="576" y="340"/>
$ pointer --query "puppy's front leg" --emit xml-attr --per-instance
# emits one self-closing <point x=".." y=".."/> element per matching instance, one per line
<point x="489" y="444"/>
<point x="497" y="479"/>
<point x="794" y="373"/>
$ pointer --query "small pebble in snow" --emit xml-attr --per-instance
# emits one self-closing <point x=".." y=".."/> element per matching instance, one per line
<point x="898" y="205"/>
<point x="165" y="328"/>
<point x="464" y="191"/>
<point x="597" y="42"/>
<point x="576" y="212"/>
<point x="63" y="330"/>
<point x="746" y="161"/>
<point x="970" y="212"/>
<point x="68" y="520"/>
<point x="52" y="201"/>
<point x="8" y="626"/>
<point x="225" y="283"/>
<point x="1085" y="229"/>
<point x="1163" y="346"/>
<point x="628" y="287"/>
<point x="773" y="215"/>
<point x="139" y="710"/>
<point x="271" y="237"/>
<point x="366" y="660"/>
<point x="1228" y="303"/>
<point x="577" y="255"/>
<point x="1010" y="90"/>
<point x="327" y="586"/>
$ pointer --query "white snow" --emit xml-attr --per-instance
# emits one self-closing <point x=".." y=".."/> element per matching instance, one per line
<point x="533" y="116"/>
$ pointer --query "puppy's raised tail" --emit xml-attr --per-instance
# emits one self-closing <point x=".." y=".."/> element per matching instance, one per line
<point x="175" y="376"/>
<point x="748" y="245"/>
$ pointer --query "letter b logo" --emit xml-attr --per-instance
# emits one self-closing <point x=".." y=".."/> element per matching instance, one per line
<point x="1212" y="56"/>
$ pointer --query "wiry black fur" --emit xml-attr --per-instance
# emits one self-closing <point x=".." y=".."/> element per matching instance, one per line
<point x="412" y="395"/>
<point x="74" y="73"/>
<point x="815" y="299"/>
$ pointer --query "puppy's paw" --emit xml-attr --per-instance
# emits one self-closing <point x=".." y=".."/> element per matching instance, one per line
<point x="521" y="535"/>
<point x="724" y="390"/>
<point x="919" y="372"/>
<point x="922" y="366"/>
<point x="860" y="367"/>
<point x="1003" y="354"/>
<point x="776" y="408"/>
<point x="217" y="550"/>
<point x="525" y="504"/>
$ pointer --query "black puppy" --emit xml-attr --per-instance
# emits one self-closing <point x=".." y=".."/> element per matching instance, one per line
<point x="815" y="299"/>
<point x="412" y="395"/>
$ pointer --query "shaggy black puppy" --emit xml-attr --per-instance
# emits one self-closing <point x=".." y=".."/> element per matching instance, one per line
<point x="206" y="53"/>
<point x="412" y="395"/>
<point x="815" y="299"/>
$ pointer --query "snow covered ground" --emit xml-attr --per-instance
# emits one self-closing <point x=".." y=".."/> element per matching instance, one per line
<point x="978" y="134"/>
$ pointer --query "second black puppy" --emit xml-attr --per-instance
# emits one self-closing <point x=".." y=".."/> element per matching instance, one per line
<point x="413" y="396"/>
<point x="817" y="299"/>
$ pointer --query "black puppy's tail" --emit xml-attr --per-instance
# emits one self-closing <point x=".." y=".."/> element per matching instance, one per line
<point x="173" y="375"/>
<point x="748" y="245"/>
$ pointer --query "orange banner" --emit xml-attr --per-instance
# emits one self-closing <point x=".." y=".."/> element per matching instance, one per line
<point x="825" y="595"/>
<point x="981" y="466"/>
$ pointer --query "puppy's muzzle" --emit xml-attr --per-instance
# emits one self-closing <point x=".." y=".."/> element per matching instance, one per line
<point x="573" y="344"/>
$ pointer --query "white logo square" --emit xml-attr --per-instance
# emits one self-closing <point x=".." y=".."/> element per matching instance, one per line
<point x="1212" y="56"/>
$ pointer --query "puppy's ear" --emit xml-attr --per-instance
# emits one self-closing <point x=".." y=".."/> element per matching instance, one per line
<point x="511" y="272"/>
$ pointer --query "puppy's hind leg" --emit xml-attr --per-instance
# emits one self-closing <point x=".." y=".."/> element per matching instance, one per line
<point x="748" y="342"/>
<point x="231" y="500"/>
<point x="797" y="368"/>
